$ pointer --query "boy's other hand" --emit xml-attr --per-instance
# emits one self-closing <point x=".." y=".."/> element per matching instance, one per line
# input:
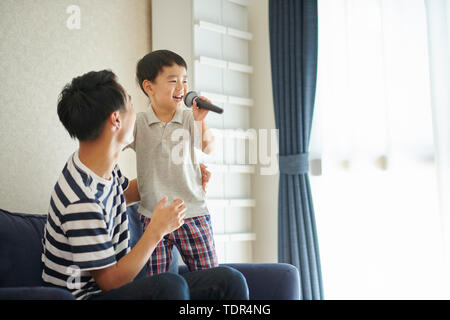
<point x="199" y="113"/>
<point x="167" y="219"/>
<point x="206" y="175"/>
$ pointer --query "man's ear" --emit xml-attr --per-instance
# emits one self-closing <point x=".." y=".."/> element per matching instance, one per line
<point x="147" y="85"/>
<point x="115" y="120"/>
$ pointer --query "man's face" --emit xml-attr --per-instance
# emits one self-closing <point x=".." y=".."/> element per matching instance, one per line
<point x="169" y="88"/>
<point x="128" y="119"/>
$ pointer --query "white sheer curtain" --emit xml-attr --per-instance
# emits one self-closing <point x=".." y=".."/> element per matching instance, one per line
<point x="438" y="15"/>
<point x="376" y="201"/>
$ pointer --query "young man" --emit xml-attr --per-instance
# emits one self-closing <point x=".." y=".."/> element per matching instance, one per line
<point x="86" y="237"/>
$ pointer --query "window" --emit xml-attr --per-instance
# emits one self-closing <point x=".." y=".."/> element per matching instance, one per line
<point x="376" y="199"/>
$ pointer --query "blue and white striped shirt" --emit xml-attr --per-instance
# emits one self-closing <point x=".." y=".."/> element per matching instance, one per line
<point x="86" y="229"/>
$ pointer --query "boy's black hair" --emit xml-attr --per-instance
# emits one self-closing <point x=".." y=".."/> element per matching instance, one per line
<point x="86" y="103"/>
<point x="152" y="64"/>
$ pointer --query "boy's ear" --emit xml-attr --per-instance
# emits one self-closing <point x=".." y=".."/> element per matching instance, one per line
<point x="147" y="85"/>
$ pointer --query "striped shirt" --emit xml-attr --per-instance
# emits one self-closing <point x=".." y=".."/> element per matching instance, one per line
<point x="86" y="228"/>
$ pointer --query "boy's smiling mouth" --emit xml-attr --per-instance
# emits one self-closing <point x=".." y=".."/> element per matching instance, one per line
<point x="178" y="98"/>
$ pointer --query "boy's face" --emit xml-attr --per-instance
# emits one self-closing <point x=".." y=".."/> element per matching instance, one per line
<point x="168" y="89"/>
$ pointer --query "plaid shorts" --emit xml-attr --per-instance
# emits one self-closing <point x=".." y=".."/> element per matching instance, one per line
<point x="194" y="240"/>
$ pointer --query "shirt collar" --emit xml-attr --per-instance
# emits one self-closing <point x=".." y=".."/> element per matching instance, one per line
<point x="152" y="118"/>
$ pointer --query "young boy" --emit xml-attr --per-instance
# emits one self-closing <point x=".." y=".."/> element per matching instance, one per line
<point x="162" y="77"/>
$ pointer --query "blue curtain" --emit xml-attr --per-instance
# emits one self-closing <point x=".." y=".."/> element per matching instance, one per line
<point x="293" y="50"/>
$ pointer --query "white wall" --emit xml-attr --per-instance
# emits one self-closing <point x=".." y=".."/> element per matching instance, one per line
<point x="38" y="56"/>
<point x="174" y="33"/>
<point x="265" y="187"/>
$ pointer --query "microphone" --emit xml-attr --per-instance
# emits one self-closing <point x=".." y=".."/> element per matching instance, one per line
<point x="192" y="95"/>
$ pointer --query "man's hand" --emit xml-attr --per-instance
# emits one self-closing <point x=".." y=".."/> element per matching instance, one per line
<point x="167" y="219"/>
<point x="206" y="175"/>
<point x="164" y="220"/>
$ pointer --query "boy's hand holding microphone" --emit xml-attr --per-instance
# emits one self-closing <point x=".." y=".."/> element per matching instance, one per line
<point x="200" y="105"/>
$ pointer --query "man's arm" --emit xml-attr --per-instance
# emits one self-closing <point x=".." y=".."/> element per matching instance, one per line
<point x="132" y="193"/>
<point x="164" y="221"/>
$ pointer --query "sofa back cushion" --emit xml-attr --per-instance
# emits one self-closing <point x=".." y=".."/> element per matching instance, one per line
<point x="21" y="246"/>
<point x="20" y="249"/>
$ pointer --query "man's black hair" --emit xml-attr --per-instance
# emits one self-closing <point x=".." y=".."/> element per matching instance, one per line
<point x="152" y="64"/>
<point x="86" y="103"/>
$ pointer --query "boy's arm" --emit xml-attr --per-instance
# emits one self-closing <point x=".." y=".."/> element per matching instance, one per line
<point x="207" y="139"/>
<point x="207" y="135"/>
<point x="132" y="193"/>
<point x="164" y="221"/>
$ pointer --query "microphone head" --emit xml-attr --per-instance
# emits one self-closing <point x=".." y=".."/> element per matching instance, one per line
<point x="189" y="98"/>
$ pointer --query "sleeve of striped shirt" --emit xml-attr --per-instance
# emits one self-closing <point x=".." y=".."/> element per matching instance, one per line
<point x="122" y="179"/>
<point x="86" y="230"/>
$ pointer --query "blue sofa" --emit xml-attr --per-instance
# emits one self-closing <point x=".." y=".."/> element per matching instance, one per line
<point x="21" y="267"/>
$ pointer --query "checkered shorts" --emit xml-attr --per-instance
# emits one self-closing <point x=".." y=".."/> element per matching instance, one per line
<point x="194" y="240"/>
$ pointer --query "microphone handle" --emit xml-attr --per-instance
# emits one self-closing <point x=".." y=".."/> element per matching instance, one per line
<point x="205" y="105"/>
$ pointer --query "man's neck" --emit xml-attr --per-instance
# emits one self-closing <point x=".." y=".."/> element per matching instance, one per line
<point x="163" y="114"/>
<point x="99" y="157"/>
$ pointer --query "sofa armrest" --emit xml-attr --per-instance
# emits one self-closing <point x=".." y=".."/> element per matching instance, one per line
<point x="35" y="293"/>
<point x="268" y="281"/>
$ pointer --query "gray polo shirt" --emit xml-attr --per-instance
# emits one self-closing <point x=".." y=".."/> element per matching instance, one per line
<point x="167" y="161"/>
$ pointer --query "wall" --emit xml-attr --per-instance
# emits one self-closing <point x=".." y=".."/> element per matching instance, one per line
<point x="39" y="54"/>
<point x="265" y="187"/>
